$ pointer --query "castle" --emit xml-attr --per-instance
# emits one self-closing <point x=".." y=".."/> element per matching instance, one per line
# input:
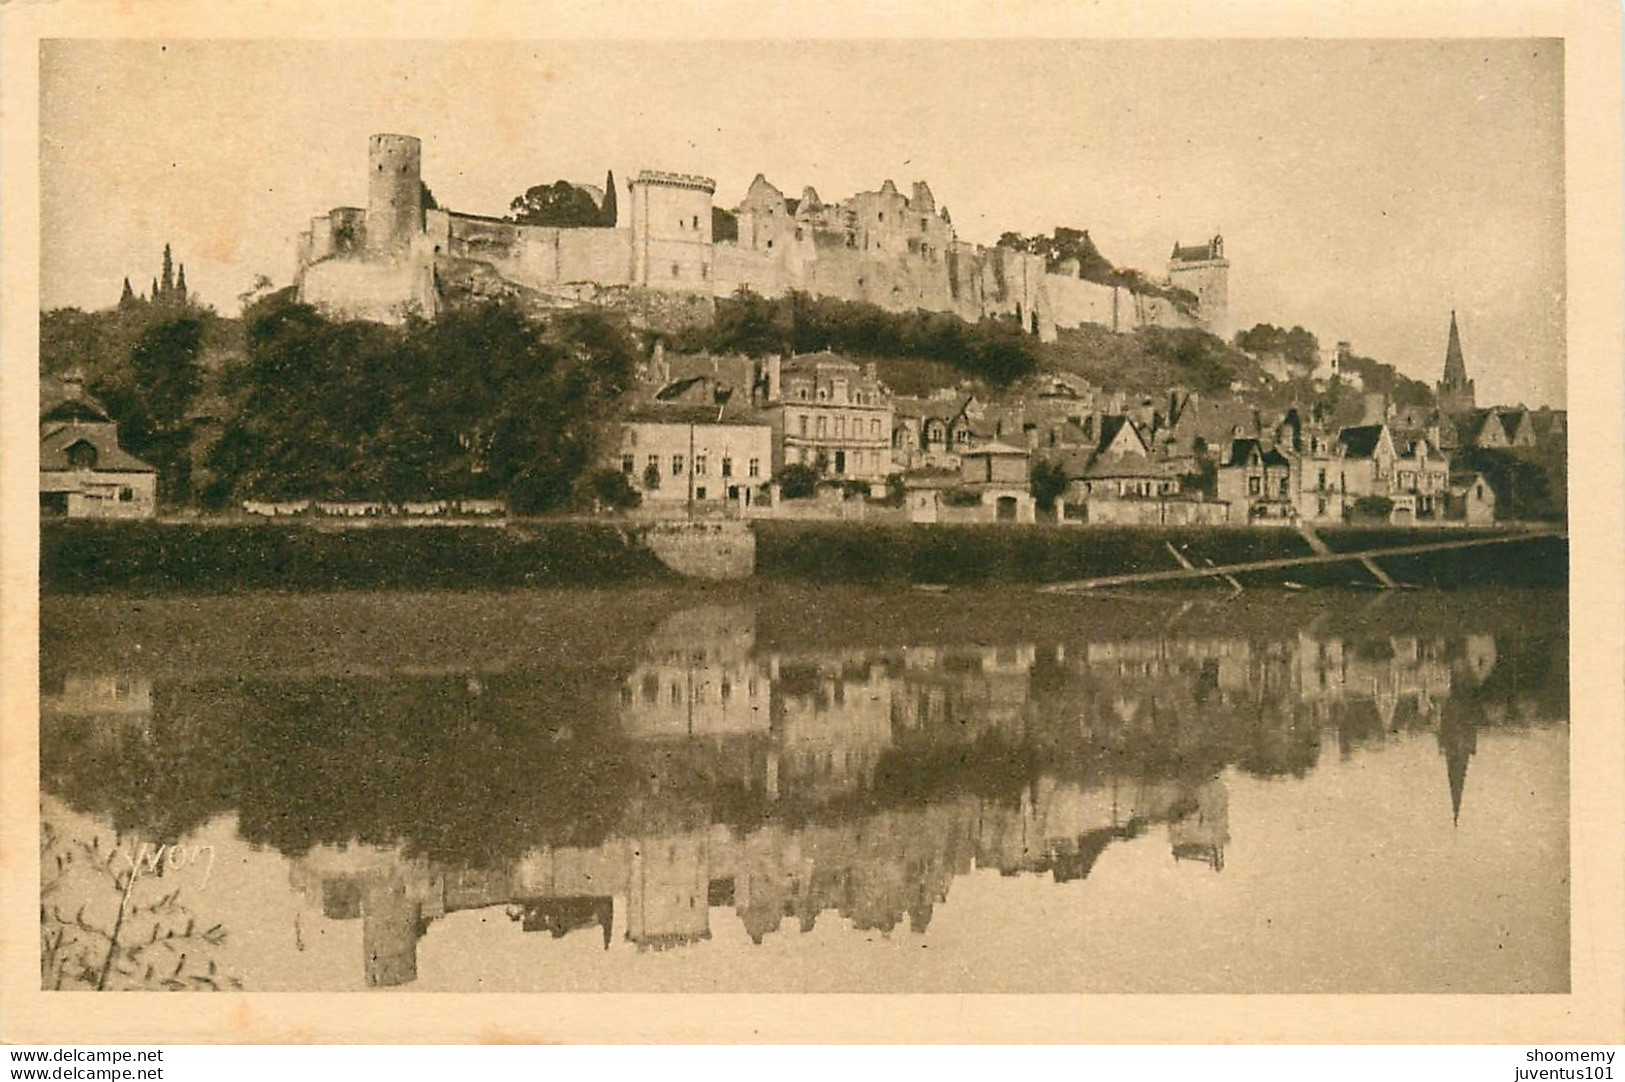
<point x="661" y="257"/>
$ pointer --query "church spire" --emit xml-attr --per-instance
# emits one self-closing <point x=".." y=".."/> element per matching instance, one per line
<point x="1455" y="366"/>
<point x="1455" y="390"/>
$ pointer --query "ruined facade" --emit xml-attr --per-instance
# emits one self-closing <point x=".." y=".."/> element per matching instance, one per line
<point x="660" y="257"/>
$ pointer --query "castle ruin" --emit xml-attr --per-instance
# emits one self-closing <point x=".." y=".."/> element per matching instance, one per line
<point x="896" y="251"/>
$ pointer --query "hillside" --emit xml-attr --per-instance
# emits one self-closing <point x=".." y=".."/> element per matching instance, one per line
<point x="1151" y="360"/>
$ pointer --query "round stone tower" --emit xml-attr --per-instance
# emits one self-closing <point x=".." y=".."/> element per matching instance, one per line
<point x="394" y="193"/>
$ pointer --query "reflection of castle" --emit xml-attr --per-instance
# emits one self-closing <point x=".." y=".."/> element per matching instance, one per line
<point x="877" y="872"/>
<point x="870" y="778"/>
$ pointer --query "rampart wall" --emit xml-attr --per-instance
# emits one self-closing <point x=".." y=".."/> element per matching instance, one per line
<point x="881" y="248"/>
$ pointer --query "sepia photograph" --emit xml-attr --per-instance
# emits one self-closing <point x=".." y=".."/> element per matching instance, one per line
<point x="643" y="515"/>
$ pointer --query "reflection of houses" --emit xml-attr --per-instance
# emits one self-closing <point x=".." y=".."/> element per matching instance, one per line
<point x="698" y="678"/>
<point x="1062" y="828"/>
<point x="84" y="473"/>
<point x="114" y="706"/>
<point x="833" y="721"/>
<point x="1146" y="729"/>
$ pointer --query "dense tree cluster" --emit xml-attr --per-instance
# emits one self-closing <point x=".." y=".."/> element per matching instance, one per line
<point x="289" y="404"/>
<point x="564" y="205"/>
<point x="994" y="349"/>
<point x="481" y="402"/>
<point x="1301" y="349"/>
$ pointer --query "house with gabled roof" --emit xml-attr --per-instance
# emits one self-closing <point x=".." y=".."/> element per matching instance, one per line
<point x="84" y="473"/>
<point x="1498" y="429"/>
<point x="1124" y="480"/>
<point x="1258" y="481"/>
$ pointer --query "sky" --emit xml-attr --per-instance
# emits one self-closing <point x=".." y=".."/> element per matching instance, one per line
<point x="1365" y="189"/>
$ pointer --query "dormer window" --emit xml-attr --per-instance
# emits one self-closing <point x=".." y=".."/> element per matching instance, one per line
<point x="82" y="455"/>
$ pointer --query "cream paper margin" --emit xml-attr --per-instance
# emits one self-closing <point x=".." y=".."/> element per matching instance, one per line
<point x="1593" y="1011"/>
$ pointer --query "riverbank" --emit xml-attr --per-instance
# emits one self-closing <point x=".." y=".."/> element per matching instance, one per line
<point x="213" y="558"/>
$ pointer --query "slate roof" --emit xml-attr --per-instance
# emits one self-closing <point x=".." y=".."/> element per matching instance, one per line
<point x="1361" y="440"/>
<point x="1241" y="451"/>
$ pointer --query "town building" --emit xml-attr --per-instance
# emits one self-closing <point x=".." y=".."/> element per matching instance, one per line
<point x="1258" y="482"/>
<point x="831" y="415"/>
<point x="1414" y="482"/>
<point x="84" y="473"/>
<point x="1470" y="499"/>
<point x="1123" y="481"/>
<point x="1000" y="474"/>
<point x="685" y="456"/>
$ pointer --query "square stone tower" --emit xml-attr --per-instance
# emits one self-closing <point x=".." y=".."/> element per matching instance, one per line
<point x="1204" y="271"/>
<point x="671" y="231"/>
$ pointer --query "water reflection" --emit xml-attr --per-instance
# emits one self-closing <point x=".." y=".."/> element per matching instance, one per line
<point x="733" y="770"/>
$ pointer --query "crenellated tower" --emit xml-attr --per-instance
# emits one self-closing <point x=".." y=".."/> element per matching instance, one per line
<point x="671" y="231"/>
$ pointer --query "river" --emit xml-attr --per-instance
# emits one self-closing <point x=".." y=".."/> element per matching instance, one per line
<point x="766" y="787"/>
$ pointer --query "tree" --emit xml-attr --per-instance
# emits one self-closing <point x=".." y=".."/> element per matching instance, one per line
<point x="151" y="396"/>
<point x="560" y="204"/>
<point x="1048" y="483"/>
<point x="798" y="481"/>
<point x="426" y="197"/>
<point x="611" y="489"/>
<point x="724" y="225"/>
<point x="1523" y="488"/>
<point x="609" y="214"/>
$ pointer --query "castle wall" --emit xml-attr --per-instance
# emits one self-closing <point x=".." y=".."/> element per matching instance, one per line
<point x="881" y="248"/>
<point x="1076" y="302"/>
<point x="368" y="289"/>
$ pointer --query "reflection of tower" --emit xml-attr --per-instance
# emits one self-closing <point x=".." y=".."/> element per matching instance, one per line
<point x="1458" y="742"/>
<point x="389" y="933"/>
<point x="669" y="891"/>
<point x="1201" y="834"/>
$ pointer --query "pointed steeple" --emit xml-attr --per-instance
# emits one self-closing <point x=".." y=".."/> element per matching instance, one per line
<point x="1455" y="390"/>
<point x="1455" y="366"/>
